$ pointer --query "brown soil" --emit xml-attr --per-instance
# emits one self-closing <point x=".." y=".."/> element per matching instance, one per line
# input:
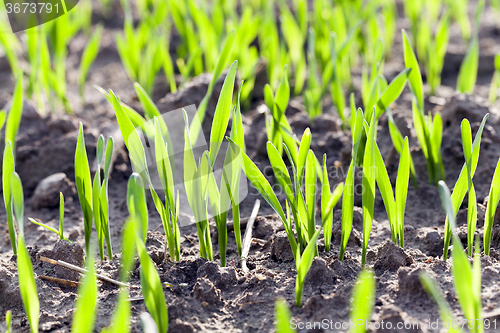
<point x="226" y="299"/>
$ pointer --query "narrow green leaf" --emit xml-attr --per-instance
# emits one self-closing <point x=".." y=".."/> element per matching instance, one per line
<point x="402" y="188"/>
<point x="7" y="171"/>
<point x="433" y="290"/>
<point x="83" y="185"/>
<point x="152" y="289"/>
<point x="136" y="203"/>
<point x="15" y="113"/>
<point x="260" y="182"/>
<point x="461" y="185"/>
<point x="27" y="286"/>
<point x="282" y="316"/>
<point x="120" y="322"/>
<point x="392" y="92"/>
<point x="368" y="196"/>
<point x="128" y="247"/>
<point x="18" y="202"/>
<point x="8" y="321"/>
<point x="222" y="113"/>
<point x="280" y="171"/>
<point x="86" y="304"/>
<point x="493" y="200"/>
<point x="363" y="299"/>
<point x="89" y="54"/>
<point x="305" y="144"/>
<point x="303" y="263"/>
<point x="414" y="77"/>
<point x="468" y="70"/>
<point x="348" y="196"/>
<point x="311" y="179"/>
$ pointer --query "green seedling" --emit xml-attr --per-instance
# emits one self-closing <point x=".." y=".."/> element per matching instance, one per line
<point x="467" y="75"/>
<point x="195" y="128"/>
<point x="196" y="183"/>
<point x="120" y="321"/>
<point x="491" y="207"/>
<point x="363" y="299"/>
<point x="7" y="171"/>
<point x="429" y="131"/>
<point x="313" y="93"/>
<point x="472" y="200"/>
<point x="94" y="198"/>
<point x="238" y="136"/>
<point x="348" y="196"/>
<point x="169" y="212"/>
<point x="282" y="316"/>
<point x="277" y="126"/>
<point x="152" y="289"/>
<point x="247" y="28"/>
<point x="15" y="113"/>
<point x="121" y="316"/>
<point x="302" y="194"/>
<point x="100" y="203"/>
<point x="128" y="247"/>
<point x="468" y="70"/>
<point x="495" y="81"/>
<point x="8" y="322"/>
<point x="394" y="205"/>
<point x="18" y="202"/>
<point x="136" y="203"/>
<point x="150" y="112"/>
<point x="326" y="198"/>
<point x="86" y="304"/>
<point x="262" y="185"/>
<point x="432" y="289"/>
<point x="220" y="200"/>
<point x="141" y="52"/>
<point x="61" y="220"/>
<point x="273" y="51"/>
<point x="295" y="41"/>
<point x="462" y="184"/>
<point x="88" y="57"/>
<point x="435" y="51"/>
<point x="84" y="186"/>
<point x="11" y="46"/>
<point x="466" y="279"/>
<point x="27" y="286"/>
<point x="369" y="175"/>
<point x="303" y="263"/>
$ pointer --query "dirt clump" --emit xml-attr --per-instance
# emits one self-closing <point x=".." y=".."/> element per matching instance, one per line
<point x="280" y="248"/>
<point x="10" y="296"/>
<point x="390" y="257"/>
<point x="206" y="292"/>
<point x="72" y="253"/>
<point x="223" y="277"/>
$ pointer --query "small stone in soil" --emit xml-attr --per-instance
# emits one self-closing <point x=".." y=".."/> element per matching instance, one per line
<point x="47" y="191"/>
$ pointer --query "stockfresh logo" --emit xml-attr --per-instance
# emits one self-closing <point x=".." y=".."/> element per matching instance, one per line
<point x="26" y="14"/>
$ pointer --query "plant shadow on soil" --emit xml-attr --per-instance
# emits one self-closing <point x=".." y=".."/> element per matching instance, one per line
<point x="227" y="299"/>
